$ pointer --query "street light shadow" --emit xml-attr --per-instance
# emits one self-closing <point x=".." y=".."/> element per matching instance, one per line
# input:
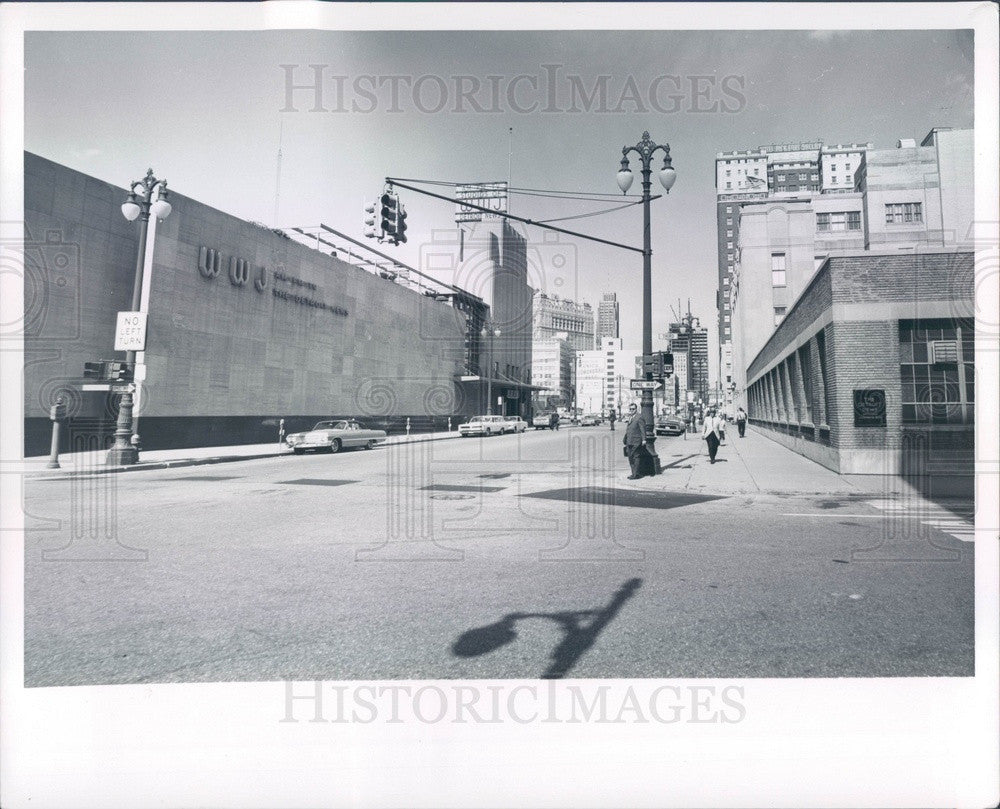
<point x="579" y="634"/>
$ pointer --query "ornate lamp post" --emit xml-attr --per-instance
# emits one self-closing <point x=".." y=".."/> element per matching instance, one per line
<point x="138" y="205"/>
<point x="488" y="329"/>
<point x="646" y="149"/>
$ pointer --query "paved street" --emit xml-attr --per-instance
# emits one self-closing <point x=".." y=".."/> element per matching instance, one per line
<point x="509" y="557"/>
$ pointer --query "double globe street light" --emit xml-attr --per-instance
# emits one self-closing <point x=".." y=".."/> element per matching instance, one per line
<point x="645" y="148"/>
<point x="138" y="205"/>
<point x="490" y="331"/>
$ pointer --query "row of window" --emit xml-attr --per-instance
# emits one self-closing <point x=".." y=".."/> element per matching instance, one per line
<point x="840" y="221"/>
<point x="902" y="212"/>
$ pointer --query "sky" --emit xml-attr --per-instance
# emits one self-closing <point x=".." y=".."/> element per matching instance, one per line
<point x="206" y="111"/>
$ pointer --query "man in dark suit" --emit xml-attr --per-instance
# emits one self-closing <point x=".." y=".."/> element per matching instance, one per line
<point x="635" y="441"/>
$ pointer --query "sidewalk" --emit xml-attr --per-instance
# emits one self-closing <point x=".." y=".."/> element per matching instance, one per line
<point x="76" y="463"/>
<point x="757" y="465"/>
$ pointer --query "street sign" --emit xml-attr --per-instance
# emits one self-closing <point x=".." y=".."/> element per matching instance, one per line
<point x="645" y="384"/>
<point x="130" y="331"/>
<point x="95" y="386"/>
<point x="129" y="388"/>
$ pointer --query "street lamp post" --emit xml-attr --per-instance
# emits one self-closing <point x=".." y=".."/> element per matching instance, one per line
<point x="138" y="205"/>
<point x="646" y="149"/>
<point x="492" y="332"/>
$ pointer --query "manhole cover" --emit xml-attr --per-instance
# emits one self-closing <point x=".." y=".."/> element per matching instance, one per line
<point x="452" y="497"/>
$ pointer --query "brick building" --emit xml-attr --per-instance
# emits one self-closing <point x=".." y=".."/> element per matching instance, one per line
<point x="871" y="371"/>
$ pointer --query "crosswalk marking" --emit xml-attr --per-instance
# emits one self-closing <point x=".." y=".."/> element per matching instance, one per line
<point x="949" y="522"/>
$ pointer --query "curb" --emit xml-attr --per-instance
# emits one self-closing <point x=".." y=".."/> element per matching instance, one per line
<point x="70" y="472"/>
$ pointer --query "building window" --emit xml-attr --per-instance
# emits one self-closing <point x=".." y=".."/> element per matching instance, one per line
<point x="729" y="233"/>
<point x="904" y="212"/>
<point x="777" y="269"/>
<point x="838" y="222"/>
<point x="728" y="172"/>
<point x="803" y="177"/>
<point x="833" y="167"/>
<point x="937" y="371"/>
<point x="729" y="185"/>
<point x="729" y="256"/>
<point x="814" y="177"/>
<point x="729" y="209"/>
<point x="792" y="188"/>
<point x="779" y="314"/>
<point x="729" y="221"/>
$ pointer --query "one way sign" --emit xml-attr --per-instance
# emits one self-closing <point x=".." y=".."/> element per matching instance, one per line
<point x="646" y="384"/>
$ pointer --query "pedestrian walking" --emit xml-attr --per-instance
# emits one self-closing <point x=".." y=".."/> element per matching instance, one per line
<point x="611" y="417"/>
<point x="710" y="432"/>
<point x="635" y="442"/>
<point x="721" y="425"/>
<point x="741" y="421"/>
<point x="554" y="421"/>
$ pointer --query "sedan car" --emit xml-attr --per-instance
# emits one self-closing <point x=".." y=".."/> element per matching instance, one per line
<point x="333" y="436"/>
<point x="515" y="424"/>
<point x="669" y="425"/>
<point x="590" y="420"/>
<point x="483" y="425"/>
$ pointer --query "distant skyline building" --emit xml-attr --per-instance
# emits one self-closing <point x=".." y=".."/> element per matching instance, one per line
<point x="607" y="317"/>
<point x="603" y="376"/>
<point x="552" y="361"/>
<point x="690" y="338"/>
<point x="552" y="316"/>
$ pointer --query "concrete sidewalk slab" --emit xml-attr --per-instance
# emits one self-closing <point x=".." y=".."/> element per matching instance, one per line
<point x="757" y="465"/>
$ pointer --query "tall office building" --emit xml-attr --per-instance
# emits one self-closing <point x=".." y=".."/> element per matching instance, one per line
<point x="782" y="209"/>
<point x="553" y="316"/>
<point x="607" y="317"/>
<point x="908" y="198"/>
<point x="687" y="337"/>
<point x="603" y="376"/>
<point x="778" y="171"/>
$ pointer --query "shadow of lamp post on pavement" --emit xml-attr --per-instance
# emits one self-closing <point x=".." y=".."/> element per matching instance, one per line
<point x="580" y="630"/>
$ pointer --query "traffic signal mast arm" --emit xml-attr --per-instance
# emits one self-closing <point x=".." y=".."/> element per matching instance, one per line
<point x="475" y="207"/>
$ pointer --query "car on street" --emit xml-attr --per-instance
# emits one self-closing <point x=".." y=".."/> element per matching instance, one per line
<point x="483" y="425"/>
<point x="333" y="436"/>
<point x="669" y="425"/>
<point x="542" y="419"/>
<point x="515" y="424"/>
<point x="590" y="420"/>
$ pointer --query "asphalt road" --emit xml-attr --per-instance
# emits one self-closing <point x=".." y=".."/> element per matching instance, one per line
<point x="510" y="557"/>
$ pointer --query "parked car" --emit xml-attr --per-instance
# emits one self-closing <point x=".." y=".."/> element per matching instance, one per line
<point x="590" y="420"/>
<point x="542" y="419"/>
<point x="515" y="424"/>
<point x="483" y="425"/>
<point x="669" y="425"/>
<point x="333" y="436"/>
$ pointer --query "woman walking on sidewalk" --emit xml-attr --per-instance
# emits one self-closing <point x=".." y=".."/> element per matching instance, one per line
<point x="710" y="432"/>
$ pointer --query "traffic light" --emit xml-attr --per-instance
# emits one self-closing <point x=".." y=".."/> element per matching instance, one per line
<point x="652" y="364"/>
<point x="119" y="371"/>
<point x="667" y="363"/>
<point x="371" y="231"/>
<point x="93" y="370"/>
<point x="400" y="222"/>
<point x="390" y="216"/>
<point x="393" y="218"/>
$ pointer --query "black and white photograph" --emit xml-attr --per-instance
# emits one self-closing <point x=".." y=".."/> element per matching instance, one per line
<point x="502" y="404"/>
